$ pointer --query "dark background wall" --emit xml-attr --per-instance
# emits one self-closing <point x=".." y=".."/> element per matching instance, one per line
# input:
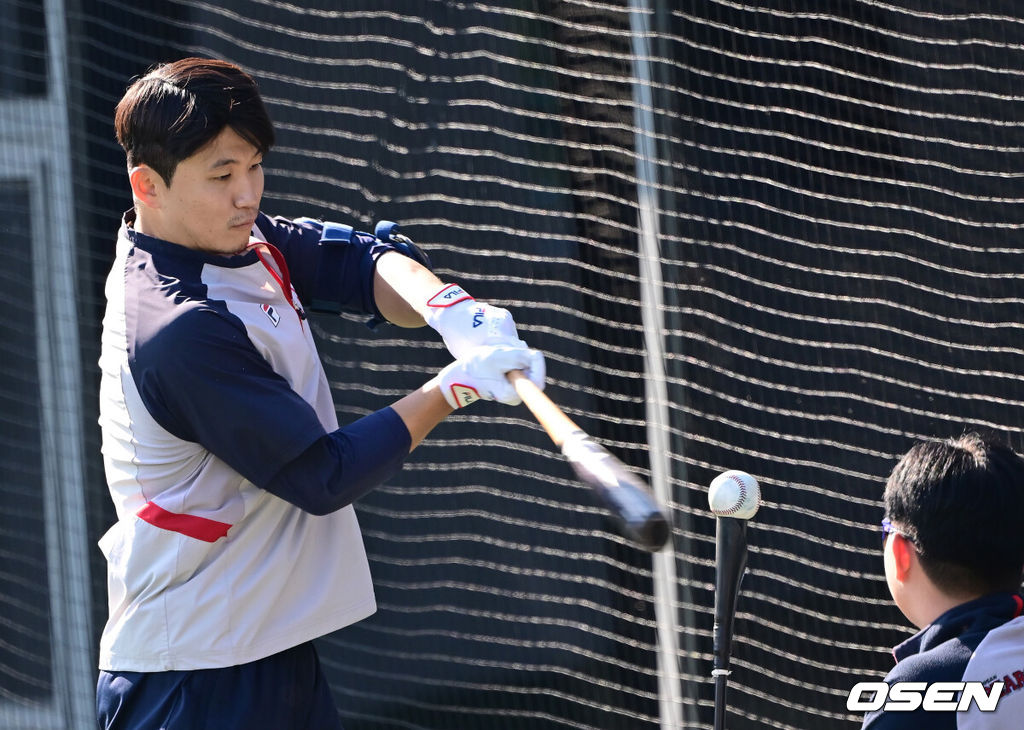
<point x="840" y="198"/>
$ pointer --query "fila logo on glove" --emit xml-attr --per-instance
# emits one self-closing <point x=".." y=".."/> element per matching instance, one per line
<point x="451" y="294"/>
<point x="464" y="395"/>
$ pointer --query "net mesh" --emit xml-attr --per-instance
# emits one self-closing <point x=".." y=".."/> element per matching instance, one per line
<point x="839" y="198"/>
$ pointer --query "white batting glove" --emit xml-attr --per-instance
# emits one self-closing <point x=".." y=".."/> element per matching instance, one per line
<point x="465" y="323"/>
<point x="481" y="375"/>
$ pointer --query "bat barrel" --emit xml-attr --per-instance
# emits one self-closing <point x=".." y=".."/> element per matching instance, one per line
<point x="627" y="498"/>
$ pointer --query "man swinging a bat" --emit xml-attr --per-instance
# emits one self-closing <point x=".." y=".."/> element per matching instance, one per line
<point x="235" y="543"/>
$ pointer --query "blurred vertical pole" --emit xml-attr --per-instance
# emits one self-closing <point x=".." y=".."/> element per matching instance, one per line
<point x="656" y="396"/>
<point x="56" y="281"/>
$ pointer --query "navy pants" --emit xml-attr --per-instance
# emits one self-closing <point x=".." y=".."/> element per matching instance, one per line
<point x="286" y="691"/>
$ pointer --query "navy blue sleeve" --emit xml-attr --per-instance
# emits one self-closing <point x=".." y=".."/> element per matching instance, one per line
<point x="202" y="380"/>
<point x="344" y="465"/>
<point x="331" y="265"/>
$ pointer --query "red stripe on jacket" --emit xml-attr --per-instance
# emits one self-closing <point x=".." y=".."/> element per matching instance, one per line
<point x="199" y="528"/>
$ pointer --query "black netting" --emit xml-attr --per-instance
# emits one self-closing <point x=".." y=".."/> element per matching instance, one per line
<point x="839" y="193"/>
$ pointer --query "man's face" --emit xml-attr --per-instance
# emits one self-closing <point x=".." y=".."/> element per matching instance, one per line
<point x="214" y="196"/>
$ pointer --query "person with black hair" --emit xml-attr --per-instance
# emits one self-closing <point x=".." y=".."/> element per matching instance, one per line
<point x="954" y="559"/>
<point x="236" y="543"/>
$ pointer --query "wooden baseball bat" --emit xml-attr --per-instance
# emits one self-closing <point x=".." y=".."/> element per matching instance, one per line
<point x="627" y="498"/>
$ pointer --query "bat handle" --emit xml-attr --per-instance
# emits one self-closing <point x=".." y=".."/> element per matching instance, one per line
<point x="721" y="682"/>
<point x="557" y="424"/>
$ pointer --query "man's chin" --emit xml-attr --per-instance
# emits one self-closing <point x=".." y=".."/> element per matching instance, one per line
<point x="236" y="241"/>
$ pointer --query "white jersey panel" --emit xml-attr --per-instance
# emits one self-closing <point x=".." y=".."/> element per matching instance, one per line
<point x="998" y="658"/>
<point x="254" y="296"/>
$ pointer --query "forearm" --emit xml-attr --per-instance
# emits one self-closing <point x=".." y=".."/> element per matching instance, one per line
<point x="422" y="410"/>
<point x="401" y="289"/>
<point x="345" y="464"/>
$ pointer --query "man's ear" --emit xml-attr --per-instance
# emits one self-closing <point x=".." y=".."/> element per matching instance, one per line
<point x="904" y="557"/>
<point x="147" y="185"/>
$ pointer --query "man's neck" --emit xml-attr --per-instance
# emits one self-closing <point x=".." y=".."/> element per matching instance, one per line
<point x="141" y="223"/>
<point x="931" y="602"/>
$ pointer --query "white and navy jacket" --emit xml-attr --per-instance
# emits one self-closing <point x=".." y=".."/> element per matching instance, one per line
<point x="978" y="641"/>
<point x="231" y="480"/>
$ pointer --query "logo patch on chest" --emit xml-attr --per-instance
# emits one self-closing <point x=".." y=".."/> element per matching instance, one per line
<point x="271" y="314"/>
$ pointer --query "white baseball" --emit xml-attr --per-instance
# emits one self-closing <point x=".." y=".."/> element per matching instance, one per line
<point x="734" y="493"/>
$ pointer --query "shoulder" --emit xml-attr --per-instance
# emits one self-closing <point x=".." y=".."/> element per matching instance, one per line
<point x="172" y="319"/>
<point x="944" y="662"/>
<point x="283" y="232"/>
<point x="194" y="328"/>
<point x="172" y="292"/>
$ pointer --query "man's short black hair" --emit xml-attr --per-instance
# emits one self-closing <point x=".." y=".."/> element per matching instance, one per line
<point x="961" y="502"/>
<point x="177" y="108"/>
